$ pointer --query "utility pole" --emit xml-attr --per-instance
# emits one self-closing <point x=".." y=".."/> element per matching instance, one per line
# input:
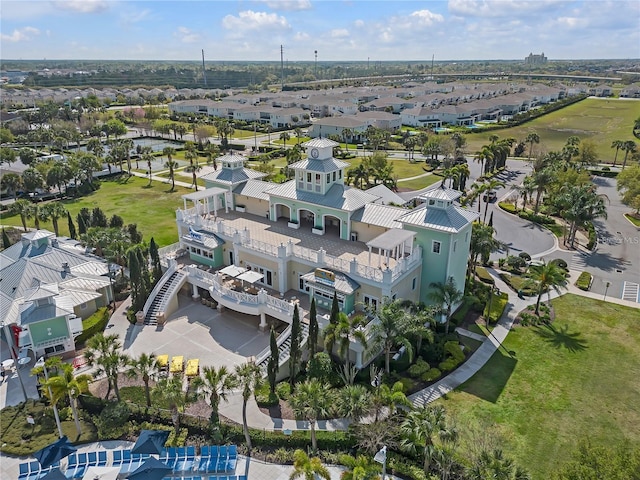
<point x="282" y="67"/>
<point x="432" y="57"/>
<point x="315" y="67"/>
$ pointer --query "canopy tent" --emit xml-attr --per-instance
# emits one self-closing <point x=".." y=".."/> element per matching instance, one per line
<point x="250" y="276"/>
<point x="232" y="270"/>
<point x="101" y="473"/>
<point x="56" y="451"/>
<point x="150" y="441"/>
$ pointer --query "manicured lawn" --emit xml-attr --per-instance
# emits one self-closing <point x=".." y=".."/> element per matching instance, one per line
<point x="632" y="219"/>
<point x="579" y="380"/>
<point x="152" y="208"/>
<point x="599" y="119"/>
<point x="419" y="183"/>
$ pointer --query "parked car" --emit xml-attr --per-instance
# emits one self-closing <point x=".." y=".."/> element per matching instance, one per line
<point x="490" y="196"/>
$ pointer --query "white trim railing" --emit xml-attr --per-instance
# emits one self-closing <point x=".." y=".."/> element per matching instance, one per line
<point x="164" y="279"/>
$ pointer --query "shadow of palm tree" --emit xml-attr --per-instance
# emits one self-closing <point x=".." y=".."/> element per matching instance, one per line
<point x="561" y="337"/>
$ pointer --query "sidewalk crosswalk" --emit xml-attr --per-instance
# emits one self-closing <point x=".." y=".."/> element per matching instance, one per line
<point x="578" y="261"/>
<point x="630" y="291"/>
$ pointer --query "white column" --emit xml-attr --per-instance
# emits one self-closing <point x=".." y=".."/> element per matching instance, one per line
<point x="263" y="322"/>
<point x="195" y="295"/>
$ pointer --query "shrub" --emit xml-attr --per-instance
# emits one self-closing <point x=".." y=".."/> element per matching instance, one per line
<point x="431" y="375"/>
<point x="264" y="397"/>
<point x="584" y="281"/>
<point x="407" y="384"/>
<point x="516" y="263"/>
<point x="283" y="389"/>
<point x="320" y="367"/>
<point x="112" y="420"/>
<point x="484" y="276"/>
<point x="448" y="364"/>
<point x="452" y="348"/>
<point x="525" y="256"/>
<point x="179" y="439"/>
<point x="508" y="207"/>
<point x="92" y="405"/>
<point x="593" y="237"/>
<point x="418" y="369"/>
<point x="96" y="323"/>
<point x="560" y="262"/>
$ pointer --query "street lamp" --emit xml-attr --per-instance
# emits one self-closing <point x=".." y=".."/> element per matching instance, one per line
<point x="7" y="336"/>
<point x="381" y="457"/>
<point x="41" y="363"/>
<point x="606" y="289"/>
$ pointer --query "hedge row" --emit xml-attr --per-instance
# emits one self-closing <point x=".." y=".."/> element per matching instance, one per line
<point x="484" y="276"/>
<point x="591" y="233"/>
<point x="96" y="323"/>
<point x="584" y="281"/>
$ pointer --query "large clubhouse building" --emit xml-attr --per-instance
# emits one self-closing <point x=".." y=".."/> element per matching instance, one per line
<point x="259" y="245"/>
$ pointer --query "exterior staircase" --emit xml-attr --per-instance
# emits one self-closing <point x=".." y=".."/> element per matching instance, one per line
<point x="284" y="345"/>
<point x="168" y="285"/>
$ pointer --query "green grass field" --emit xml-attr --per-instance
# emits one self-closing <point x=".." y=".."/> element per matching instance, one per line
<point x="601" y="120"/>
<point x="152" y="208"/>
<point x="578" y="381"/>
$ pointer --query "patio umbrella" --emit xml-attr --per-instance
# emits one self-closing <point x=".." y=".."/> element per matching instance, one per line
<point x="151" y="469"/>
<point x="54" y="474"/>
<point x="150" y="441"/>
<point x="233" y="270"/>
<point x="54" y="452"/>
<point x="101" y="473"/>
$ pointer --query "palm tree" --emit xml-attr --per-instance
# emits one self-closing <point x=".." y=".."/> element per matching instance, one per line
<point x="445" y="296"/>
<point x="629" y="147"/>
<point x="192" y="156"/>
<point x="389" y="331"/>
<point x="580" y="204"/>
<point x="145" y="367"/>
<point x="419" y="320"/>
<point x="147" y="156"/>
<point x="169" y="390"/>
<point x="390" y="398"/>
<point x="55" y="211"/>
<point x="343" y="332"/>
<point x="212" y="151"/>
<point x="215" y="384"/>
<point x="617" y="144"/>
<point x="21" y="207"/>
<point x="308" y="468"/>
<point x="420" y="428"/>
<point x="103" y="352"/>
<point x="285" y="137"/>
<point x="482" y="245"/>
<point x="65" y="383"/>
<point x="354" y="402"/>
<point x="484" y="156"/>
<point x="531" y="138"/>
<point x="248" y="376"/>
<point x="347" y="134"/>
<point x="12" y="182"/>
<point x="170" y="164"/>
<point x="496" y="466"/>
<point x="541" y="179"/>
<point x="311" y="401"/>
<point x="544" y="276"/>
<point x="359" y="468"/>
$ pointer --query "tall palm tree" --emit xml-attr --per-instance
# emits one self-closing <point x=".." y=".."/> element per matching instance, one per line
<point x="545" y="276"/>
<point x="617" y="144"/>
<point x="420" y="428"/>
<point x="169" y="152"/>
<point x="144" y="367"/>
<point x="248" y="377"/>
<point x="342" y="333"/>
<point x="312" y="401"/>
<point x="531" y="138"/>
<point x="65" y="384"/>
<point x="285" y="137"/>
<point x="308" y="468"/>
<point x="347" y="134"/>
<point x="390" y="331"/>
<point x="104" y="353"/>
<point x="445" y="296"/>
<point x="541" y="179"/>
<point x="212" y="151"/>
<point x="580" y="204"/>
<point x="169" y="390"/>
<point x="482" y="245"/>
<point x="484" y="156"/>
<point x="21" y="207"/>
<point x="55" y="211"/>
<point x="629" y="147"/>
<point x="147" y="156"/>
<point x="192" y="156"/>
<point x="215" y="384"/>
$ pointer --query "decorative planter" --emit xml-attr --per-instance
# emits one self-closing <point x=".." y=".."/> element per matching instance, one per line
<point x="240" y="208"/>
<point x="317" y="231"/>
<point x="293" y="225"/>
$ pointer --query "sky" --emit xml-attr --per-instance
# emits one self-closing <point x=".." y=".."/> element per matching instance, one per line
<point x="349" y="30"/>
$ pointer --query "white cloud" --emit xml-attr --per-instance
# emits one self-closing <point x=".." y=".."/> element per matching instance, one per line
<point x="288" y="5"/>
<point x="186" y="36"/>
<point x="250" y="20"/>
<point x="426" y="18"/>
<point x="20" y="35"/>
<point x="359" y="23"/>
<point x="82" y="6"/>
<point x="501" y="8"/>
<point x="339" y="33"/>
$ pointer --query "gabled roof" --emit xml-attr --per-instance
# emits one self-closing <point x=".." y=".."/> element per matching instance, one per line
<point x="255" y="189"/>
<point x="338" y="196"/>
<point x="342" y="283"/>
<point x="386" y="195"/>
<point x="379" y="215"/>
<point x="451" y="220"/>
<point x="441" y="193"/>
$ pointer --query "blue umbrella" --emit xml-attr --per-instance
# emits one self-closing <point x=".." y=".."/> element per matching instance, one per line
<point x="54" y="474"/>
<point x="54" y="452"/>
<point x="151" y="441"/>
<point x="151" y="469"/>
